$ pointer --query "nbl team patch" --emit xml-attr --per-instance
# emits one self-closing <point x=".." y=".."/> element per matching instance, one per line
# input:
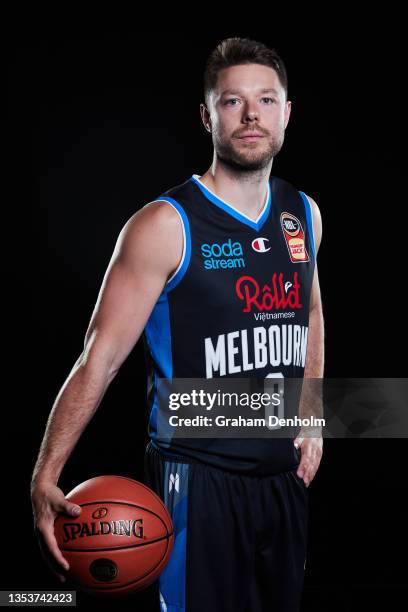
<point x="295" y="237"/>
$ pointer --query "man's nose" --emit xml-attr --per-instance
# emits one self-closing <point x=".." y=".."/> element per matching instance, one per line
<point x="251" y="113"/>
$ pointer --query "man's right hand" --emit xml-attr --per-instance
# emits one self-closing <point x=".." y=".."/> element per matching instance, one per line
<point x="48" y="502"/>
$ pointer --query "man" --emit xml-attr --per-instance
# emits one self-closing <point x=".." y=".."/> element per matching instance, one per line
<point x="228" y="245"/>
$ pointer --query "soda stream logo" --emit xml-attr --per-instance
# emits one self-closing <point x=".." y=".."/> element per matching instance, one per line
<point x="221" y="256"/>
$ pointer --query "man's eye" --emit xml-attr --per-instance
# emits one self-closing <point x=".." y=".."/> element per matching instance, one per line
<point x="232" y="100"/>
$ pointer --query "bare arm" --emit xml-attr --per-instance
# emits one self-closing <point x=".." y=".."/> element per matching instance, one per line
<point x="310" y="404"/>
<point x="315" y="346"/>
<point x="131" y="286"/>
<point x="314" y="365"/>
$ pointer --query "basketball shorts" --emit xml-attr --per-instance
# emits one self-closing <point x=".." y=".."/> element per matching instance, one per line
<point x="240" y="540"/>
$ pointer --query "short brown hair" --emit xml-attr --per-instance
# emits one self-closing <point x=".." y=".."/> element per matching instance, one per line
<point x="237" y="51"/>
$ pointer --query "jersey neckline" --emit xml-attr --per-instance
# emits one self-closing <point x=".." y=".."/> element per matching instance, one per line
<point x="231" y="210"/>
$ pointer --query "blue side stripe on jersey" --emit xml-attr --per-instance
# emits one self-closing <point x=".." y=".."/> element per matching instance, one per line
<point x="158" y="336"/>
<point x="309" y="221"/>
<point x="187" y="255"/>
<point x="159" y="426"/>
<point x="157" y="329"/>
<point x="231" y="211"/>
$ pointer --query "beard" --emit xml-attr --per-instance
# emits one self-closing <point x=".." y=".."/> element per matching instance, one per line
<point x="247" y="158"/>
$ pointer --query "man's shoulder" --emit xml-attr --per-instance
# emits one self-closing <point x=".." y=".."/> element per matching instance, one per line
<point x="284" y="183"/>
<point x="317" y="221"/>
<point x="317" y="217"/>
<point x="156" y="222"/>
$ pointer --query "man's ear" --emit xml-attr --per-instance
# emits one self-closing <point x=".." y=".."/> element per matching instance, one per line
<point x="288" y="108"/>
<point x="205" y="116"/>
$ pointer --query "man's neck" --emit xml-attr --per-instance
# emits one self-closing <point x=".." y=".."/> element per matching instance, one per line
<point x="247" y="192"/>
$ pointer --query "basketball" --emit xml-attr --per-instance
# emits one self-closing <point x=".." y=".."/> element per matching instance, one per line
<point x="121" y="541"/>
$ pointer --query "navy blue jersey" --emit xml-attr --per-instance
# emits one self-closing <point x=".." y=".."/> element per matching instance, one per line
<point x="237" y="306"/>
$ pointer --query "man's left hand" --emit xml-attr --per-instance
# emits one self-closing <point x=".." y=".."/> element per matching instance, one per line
<point x="312" y="450"/>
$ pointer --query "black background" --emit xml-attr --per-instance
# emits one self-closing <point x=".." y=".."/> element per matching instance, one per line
<point x="103" y="122"/>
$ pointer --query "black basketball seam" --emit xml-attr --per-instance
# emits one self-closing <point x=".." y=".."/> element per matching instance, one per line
<point x="102" y="587"/>
<point x="130" y="480"/>
<point x="79" y="550"/>
<point x="97" y="503"/>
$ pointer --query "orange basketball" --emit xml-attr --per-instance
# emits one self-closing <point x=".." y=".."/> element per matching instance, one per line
<point x="121" y="541"/>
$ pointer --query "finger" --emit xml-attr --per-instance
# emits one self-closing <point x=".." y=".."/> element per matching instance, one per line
<point x="305" y="460"/>
<point x="53" y="569"/>
<point x="311" y="471"/>
<point x="298" y="442"/>
<point x="302" y="468"/>
<point x="308" y="477"/>
<point x="67" y="507"/>
<point x="50" y="562"/>
<point x="51" y="547"/>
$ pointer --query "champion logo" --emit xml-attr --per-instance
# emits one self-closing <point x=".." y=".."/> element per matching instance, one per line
<point x="260" y="245"/>
<point x="174" y="481"/>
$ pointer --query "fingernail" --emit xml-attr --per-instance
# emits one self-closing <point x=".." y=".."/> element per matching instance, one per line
<point x="76" y="510"/>
<point x="66" y="566"/>
<point x="62" y="579"/>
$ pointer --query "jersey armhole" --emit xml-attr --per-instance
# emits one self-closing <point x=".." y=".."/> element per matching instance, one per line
<point x="309" y="221"/>
<point x="181" y="269"/>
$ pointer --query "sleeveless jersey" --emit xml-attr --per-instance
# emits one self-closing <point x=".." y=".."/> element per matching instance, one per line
<point x="237" y="306"/>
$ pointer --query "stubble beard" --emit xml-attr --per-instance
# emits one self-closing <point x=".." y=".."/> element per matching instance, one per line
<point x="250" y="159"/>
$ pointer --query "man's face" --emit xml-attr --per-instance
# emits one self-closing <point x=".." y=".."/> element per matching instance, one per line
<point x="248" y="99"/>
